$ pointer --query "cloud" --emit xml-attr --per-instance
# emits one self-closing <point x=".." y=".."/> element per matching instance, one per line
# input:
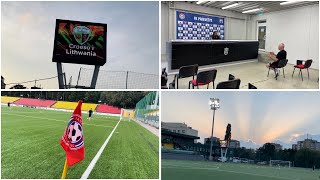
<point x="28" y="33"/>
<point x="259" y="116"/>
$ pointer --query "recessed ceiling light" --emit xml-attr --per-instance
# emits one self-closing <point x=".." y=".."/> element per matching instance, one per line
<point x="210" y="2"/>
<point x="200" y="2"/>
<point x="230" y="6"/>
<point x="252" y="10"/>
<point x="289" y="2"/>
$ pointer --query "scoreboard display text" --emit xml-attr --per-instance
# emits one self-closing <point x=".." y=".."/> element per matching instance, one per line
<point x="80" y="42"/>
<point x="198" y="27"/>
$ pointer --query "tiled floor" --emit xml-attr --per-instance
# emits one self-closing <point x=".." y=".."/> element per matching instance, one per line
<point x="256" y="74"/>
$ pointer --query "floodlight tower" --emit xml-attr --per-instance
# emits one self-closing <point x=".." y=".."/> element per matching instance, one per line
<point x="214" y="104"/>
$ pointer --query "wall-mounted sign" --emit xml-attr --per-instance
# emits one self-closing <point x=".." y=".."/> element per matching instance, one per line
<point x="80" y="42"/>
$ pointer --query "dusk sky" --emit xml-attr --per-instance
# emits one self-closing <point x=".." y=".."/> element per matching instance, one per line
<point x="258" y="116"/>
<point x="27" y="31"/>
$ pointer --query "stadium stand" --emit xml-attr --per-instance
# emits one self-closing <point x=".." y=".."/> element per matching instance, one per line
<point x="6" y="99"/>
<point x="181" y="155"/>
<point x="35" y="102"/>
<point x="73" y="105"/>
<point x="103" y="108"/>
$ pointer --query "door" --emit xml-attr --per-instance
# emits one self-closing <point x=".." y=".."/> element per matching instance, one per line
<point x="262" y="29"/>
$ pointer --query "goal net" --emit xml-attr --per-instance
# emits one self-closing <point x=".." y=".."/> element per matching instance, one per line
<point x="127" y="114"/>
<point x="279" y="163"/>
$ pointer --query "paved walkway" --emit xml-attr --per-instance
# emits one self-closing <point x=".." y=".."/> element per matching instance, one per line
<point x="154" y="130"/>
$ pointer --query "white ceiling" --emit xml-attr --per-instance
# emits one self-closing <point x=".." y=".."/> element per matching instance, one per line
<point x="266" y="6"/>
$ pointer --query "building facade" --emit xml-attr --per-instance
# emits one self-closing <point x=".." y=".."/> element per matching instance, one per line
<point x="180" y="128"/>
<point x="308" y="144"/>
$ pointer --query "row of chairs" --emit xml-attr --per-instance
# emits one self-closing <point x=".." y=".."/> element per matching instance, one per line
<point x="300" y="65"/>
<point x="203" y="78"/>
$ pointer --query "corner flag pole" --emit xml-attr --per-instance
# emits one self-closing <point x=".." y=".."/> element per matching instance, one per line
<point x="65" y="170"/>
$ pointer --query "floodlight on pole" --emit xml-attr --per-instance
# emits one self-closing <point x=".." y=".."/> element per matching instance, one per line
<point x="214" y="104"/>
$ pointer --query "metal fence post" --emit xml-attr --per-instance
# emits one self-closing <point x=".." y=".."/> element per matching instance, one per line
<point x="65" y="81"/>
<point x="60" y="75"/>
<point x="127" y="80"/>
<point x="95" y="76"/>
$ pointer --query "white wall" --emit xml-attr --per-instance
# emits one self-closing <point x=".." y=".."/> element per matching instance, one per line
<point x="297" y="28"/>
<point x="164" y="26"/>
<point x="235" y="23"/>
<point x="237" y="29"/>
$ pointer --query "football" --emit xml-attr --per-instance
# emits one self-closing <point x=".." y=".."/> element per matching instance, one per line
<point x="74" y="132"/>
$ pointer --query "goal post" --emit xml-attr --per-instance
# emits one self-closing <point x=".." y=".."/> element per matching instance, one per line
<point x="126" y="114"/>
<point x="280" y="163"/>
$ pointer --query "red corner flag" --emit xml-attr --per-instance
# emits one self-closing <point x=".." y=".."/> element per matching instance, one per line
<point x="72" y="140"/>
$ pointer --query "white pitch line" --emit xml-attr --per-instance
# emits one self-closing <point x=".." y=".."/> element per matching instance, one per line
<point x="87" y="172"/>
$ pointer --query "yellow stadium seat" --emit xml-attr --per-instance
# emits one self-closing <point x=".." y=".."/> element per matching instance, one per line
<point x="6" y="99"/>
<point x="73" y="105"/>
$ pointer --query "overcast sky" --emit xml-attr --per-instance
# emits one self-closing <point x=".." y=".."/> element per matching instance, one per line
<point x="258" y="116"/>
<point x="27" y="32"/>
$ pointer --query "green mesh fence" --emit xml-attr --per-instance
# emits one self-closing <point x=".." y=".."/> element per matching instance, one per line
<point x="147" y="109"/>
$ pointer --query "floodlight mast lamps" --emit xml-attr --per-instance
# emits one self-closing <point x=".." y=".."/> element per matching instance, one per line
<point x="214" y="105"/>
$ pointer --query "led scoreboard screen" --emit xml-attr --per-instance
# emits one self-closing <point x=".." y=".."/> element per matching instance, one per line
<point x="80" y="42"/>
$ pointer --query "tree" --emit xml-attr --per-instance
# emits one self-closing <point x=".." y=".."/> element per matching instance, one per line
<point x="307" y="158"/>
<point x="245" y="153"/>
<point x="267" y="152"/>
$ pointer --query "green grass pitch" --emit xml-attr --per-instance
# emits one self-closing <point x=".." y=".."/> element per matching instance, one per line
<point x="203" y="170"/>
<point x="30" y="146"/>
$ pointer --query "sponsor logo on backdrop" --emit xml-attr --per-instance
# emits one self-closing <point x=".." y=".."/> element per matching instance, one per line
<point x="226" y="51"/>
<point x="182" y="16"/>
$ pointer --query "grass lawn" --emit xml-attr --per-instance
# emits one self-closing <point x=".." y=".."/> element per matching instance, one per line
<point x="202" y="170"/>
<point x="30" y="146"/>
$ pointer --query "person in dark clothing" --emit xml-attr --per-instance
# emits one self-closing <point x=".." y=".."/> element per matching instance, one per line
<point x="282" y="54"/>
<point x="90" y="114"/>
<point x="215" y="35"/>
<point x="9" y="104"/>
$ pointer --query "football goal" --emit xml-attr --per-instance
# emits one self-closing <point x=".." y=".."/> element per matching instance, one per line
<point x="126" y="114"/>
<point x="279" y="163"/>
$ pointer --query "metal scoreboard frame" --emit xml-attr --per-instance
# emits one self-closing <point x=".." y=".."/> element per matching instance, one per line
<point x="70" y="49"/>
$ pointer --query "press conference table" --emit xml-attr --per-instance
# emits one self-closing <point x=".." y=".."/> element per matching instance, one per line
<point x="209" y="52"/>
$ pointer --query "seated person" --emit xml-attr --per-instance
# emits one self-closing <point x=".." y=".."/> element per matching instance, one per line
<point x="282" y="54"/>
<point x="215" y="35"/>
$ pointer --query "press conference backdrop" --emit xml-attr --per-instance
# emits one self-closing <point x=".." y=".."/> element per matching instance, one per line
<point x="197" y="26"/>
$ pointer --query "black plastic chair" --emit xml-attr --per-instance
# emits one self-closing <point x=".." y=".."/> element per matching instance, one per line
<point x="301" y="66"/>
<point x="204" y="78"/>
<point x="187" y="71"/>
<point x="164" y="79"/>
<point x="172" y="85"/>
<point x="231" y="84"/>
<point x="282" y="63"/>
<point x="250" y="86"/>
<point x="231" y="77"/>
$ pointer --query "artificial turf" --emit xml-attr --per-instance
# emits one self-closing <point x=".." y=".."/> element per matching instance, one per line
<point x="204" y="170"/>
<point x="30" y="146"/>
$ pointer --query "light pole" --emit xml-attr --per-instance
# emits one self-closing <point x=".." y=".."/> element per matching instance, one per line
<point x="214" y="105"/>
